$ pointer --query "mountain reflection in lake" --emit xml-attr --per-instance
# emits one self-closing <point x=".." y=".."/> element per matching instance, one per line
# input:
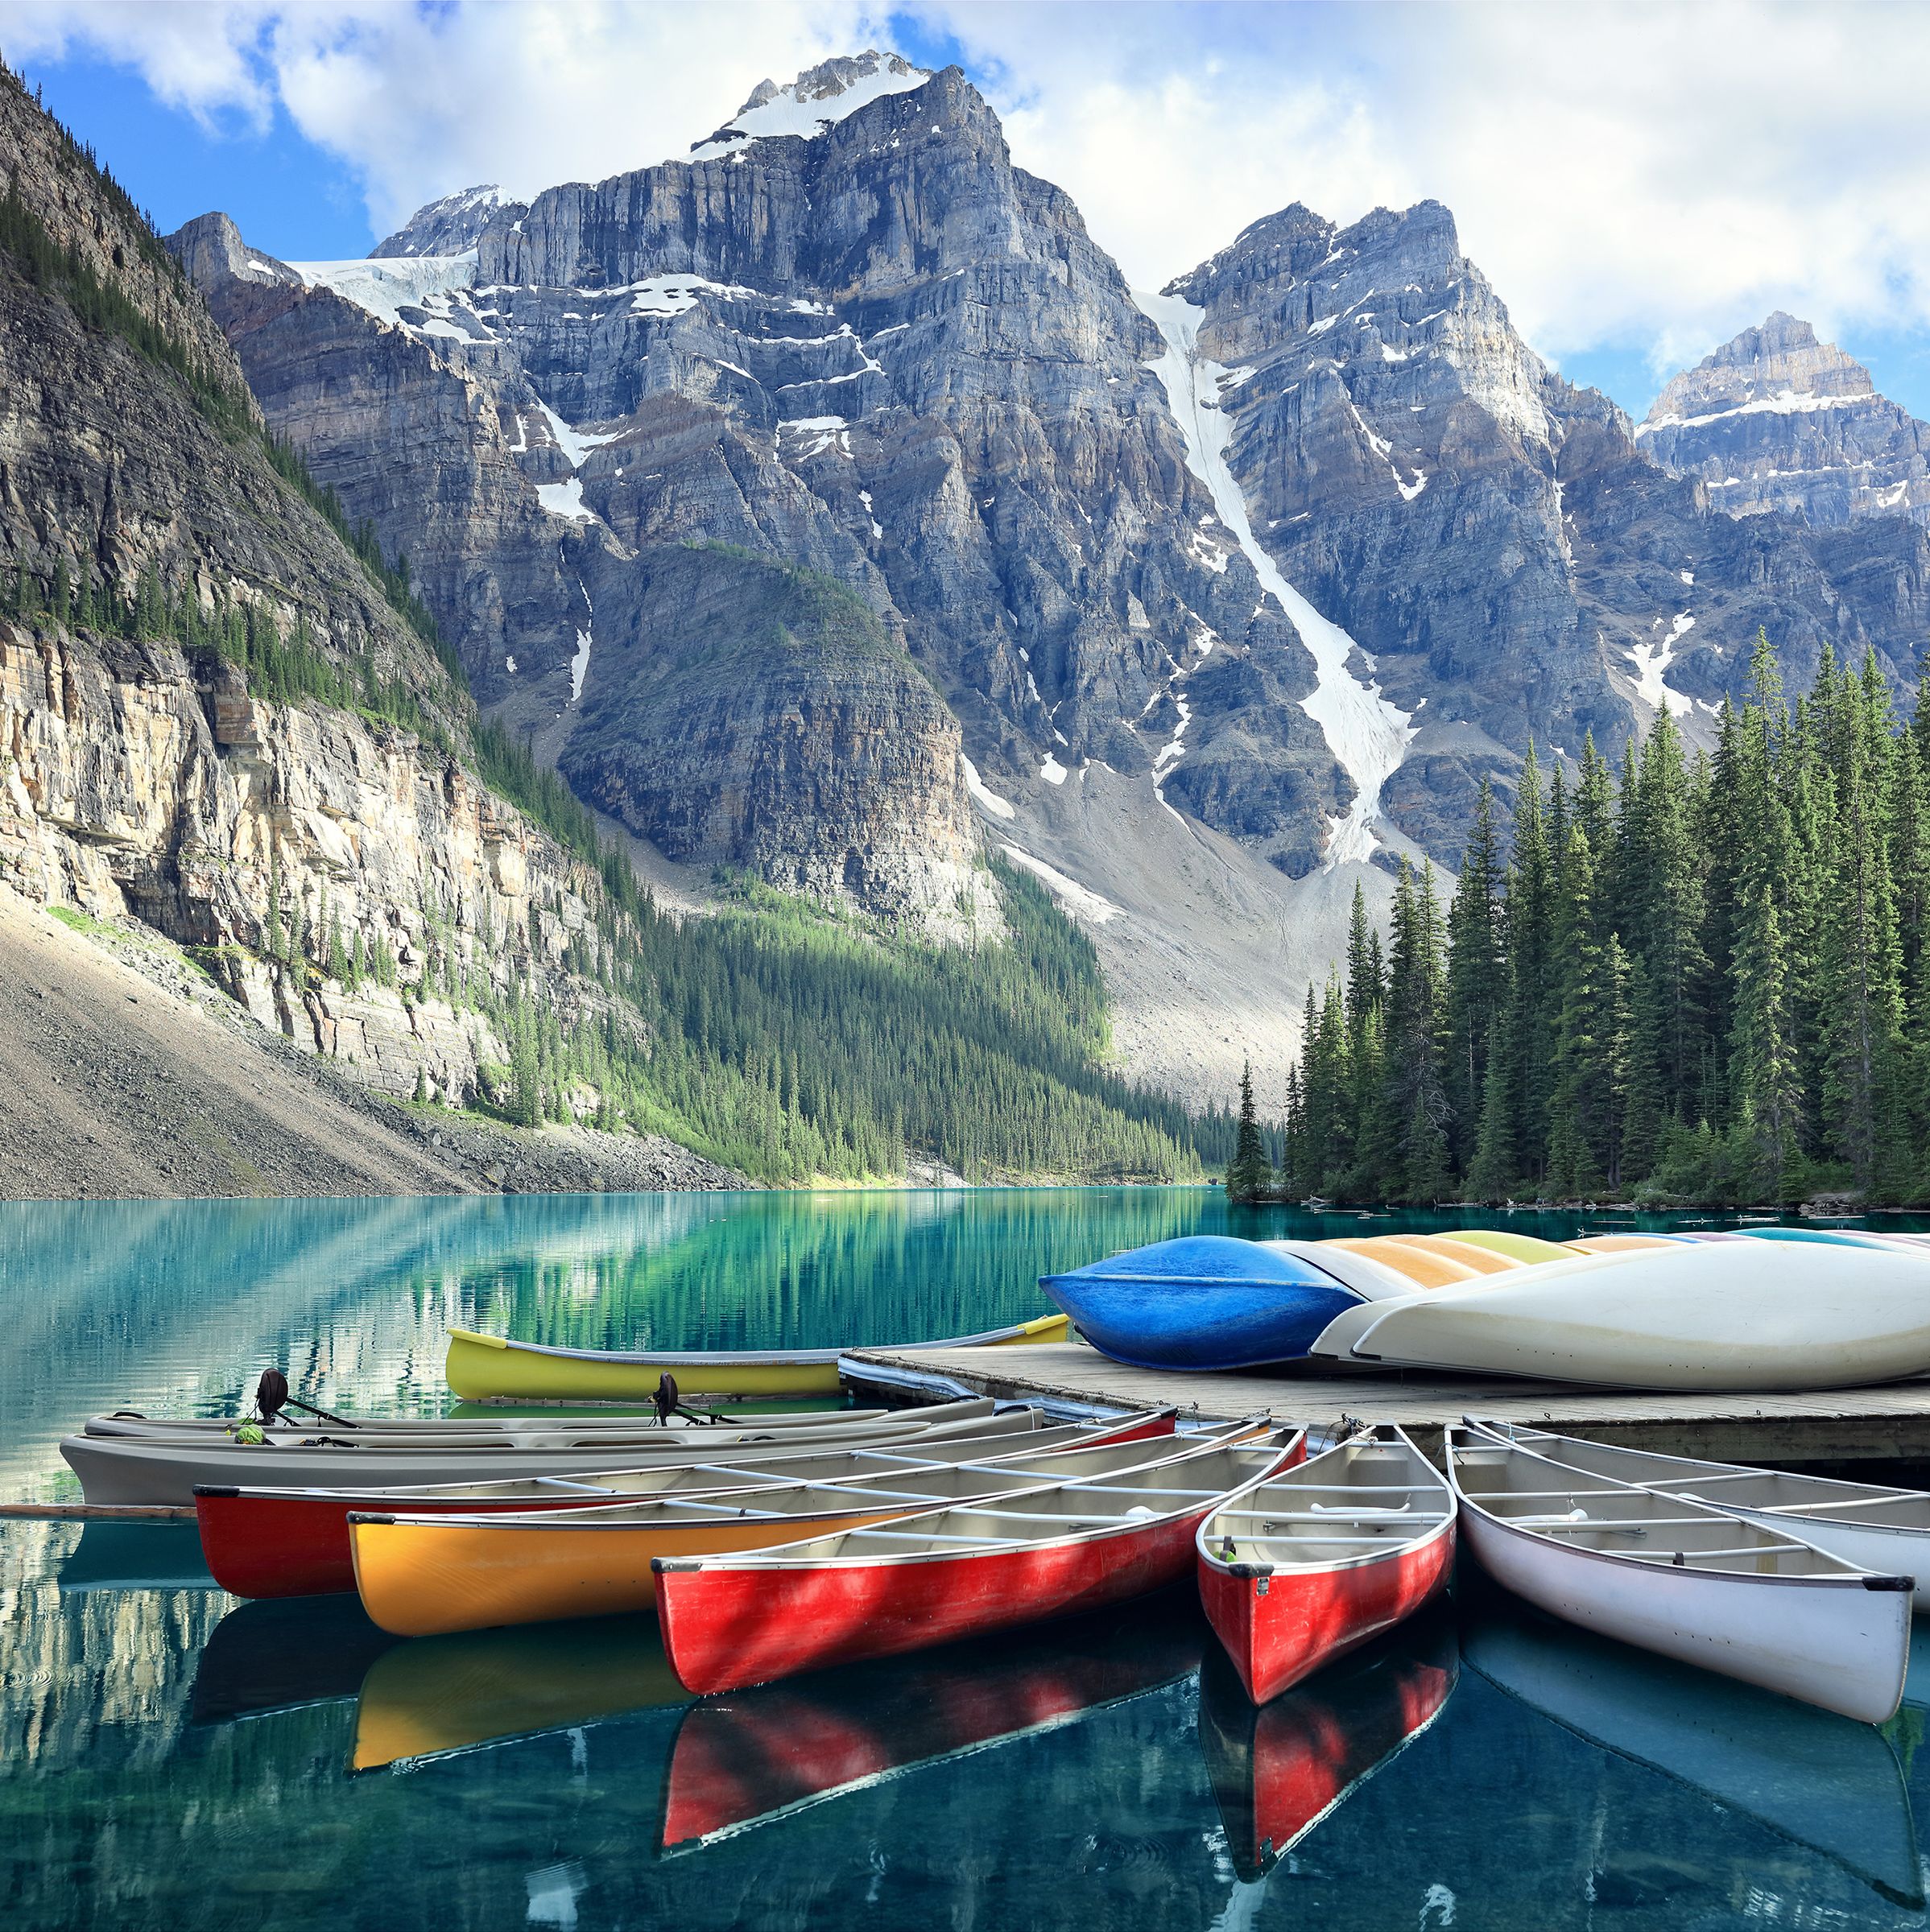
<point x="174" y="1760"/>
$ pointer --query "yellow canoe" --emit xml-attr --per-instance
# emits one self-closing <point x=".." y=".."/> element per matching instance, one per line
<point x="488" y="1368"/>
<point x="428" y="1576"/>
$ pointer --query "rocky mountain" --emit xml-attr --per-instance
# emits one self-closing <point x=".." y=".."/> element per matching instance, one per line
<point x="822" y="503"/>
<point x="144" y="529"/>
<point x="1493" y="541"/>
<point x="1776" y="420"/>
<point x="846" y="333"/>
<point x="447" y="227"/>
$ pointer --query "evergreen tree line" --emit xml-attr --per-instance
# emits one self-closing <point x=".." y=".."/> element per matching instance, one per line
<point x="282" y="663"/>
<point x="1701" y="979"/>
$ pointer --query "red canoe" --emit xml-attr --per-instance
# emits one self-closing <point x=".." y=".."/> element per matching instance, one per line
<point x="734" y="1620"/>
<point x="295" y="1542"/>
<point x="764" y="1754"/>
<point x="1279" y="1768"/>
<point x="1310" y="1565"/>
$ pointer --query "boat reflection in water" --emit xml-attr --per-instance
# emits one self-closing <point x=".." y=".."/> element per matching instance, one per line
<point x="750" y="1757"/>
<point x="1279" y="1768"/>
<point x="1823" y="1782"/>
<point x="283" y="1655"/>
<point x="432" y="1697"/>
<point x="135" y="1556"/>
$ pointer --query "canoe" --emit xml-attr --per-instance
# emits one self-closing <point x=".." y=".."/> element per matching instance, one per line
<point x="1749" y="1315"/>
<point x="440" y="1696"/>
<point x="1324" y="1557"/>
<point x="1682" y="1580"/>
<point x="761" y="1756"/>
<point x="1816" y="1780"/>
<point x="1278" y="1769"/>
<point x="470" y="1430"/>
<point x="269" y="1542"/>
<point x="1202" y="1301"/>
<point x="490" y="1368"/>
<point x="1871" y="1525"/>
<point x="730" y="1621"/>
<point x="423" y="1575"/>
<point x="131" y="1470"/>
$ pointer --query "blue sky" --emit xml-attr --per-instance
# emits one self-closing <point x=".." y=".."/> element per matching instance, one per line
<point x="1631" y="228"/>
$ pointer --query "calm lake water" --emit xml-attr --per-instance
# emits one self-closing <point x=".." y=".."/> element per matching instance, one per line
<point x="171" y="1758"/>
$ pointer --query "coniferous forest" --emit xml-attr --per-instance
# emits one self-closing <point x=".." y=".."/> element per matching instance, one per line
<point x="1703" y="978"/>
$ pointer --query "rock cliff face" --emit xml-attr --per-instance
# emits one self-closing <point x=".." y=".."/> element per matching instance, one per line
<point x="1493" y="541"/>
<point x="846" y="333"/>
<point x="1776" y="420"/>
<point x="138" y="776"/>
<point x="756" y="714"/>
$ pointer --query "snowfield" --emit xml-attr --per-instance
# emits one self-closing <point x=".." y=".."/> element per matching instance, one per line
<point x="1368" y="736"/>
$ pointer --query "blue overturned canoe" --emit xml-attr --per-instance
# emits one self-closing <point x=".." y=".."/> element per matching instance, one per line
<point x="1204" y="1301"/>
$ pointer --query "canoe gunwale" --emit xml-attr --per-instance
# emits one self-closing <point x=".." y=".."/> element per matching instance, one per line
<point x="779" y="1559"/>
<point x="1844" y="1577"/>
<point x="1323" y="1566"/>
<point x="673" y="1359"/>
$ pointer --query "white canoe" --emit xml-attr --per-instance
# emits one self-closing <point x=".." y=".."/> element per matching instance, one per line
<point x="1870" y="1524"/>
<point x="1682" y="1580"/>
<point x="133" y="1470"/>
<point x="127" y="1423"/>
<point x="1735" y="1315"/>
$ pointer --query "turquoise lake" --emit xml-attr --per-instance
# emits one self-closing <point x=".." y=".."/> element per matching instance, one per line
<point x="172" y="1758"/>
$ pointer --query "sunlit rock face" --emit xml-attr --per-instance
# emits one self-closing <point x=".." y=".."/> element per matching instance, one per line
<point x="138" y="776"/>
<point x="1503" y="548"/>
<point x="1306" y="547"/>
<point x="846" y="333"/>
<point x="1776" y="420"/>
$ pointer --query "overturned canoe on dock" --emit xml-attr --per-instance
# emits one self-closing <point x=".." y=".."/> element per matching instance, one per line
<point x="731" y="1621"/>
<point x="490" y="1368"/>
<point x="263" y="1542"/>
<point x="1682" y="1580"/>
<point x="1324" y="1557"/>
<point x="1736" y="1314"/>
<point x="1204" y="1301"/>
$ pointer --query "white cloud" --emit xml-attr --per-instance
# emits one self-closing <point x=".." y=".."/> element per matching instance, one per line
<point x="1629" y="176"/>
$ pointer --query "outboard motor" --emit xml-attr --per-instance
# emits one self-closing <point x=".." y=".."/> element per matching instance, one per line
<point x="665" y="1398"/>
<point x="270" y="1394"/>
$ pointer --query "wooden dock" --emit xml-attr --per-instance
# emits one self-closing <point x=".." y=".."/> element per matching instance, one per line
<point x="1886" y="1424"/>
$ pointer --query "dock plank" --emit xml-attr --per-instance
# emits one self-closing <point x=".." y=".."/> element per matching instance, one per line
<point x="1890" y="1423"/>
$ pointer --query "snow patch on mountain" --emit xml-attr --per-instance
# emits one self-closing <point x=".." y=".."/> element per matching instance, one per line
<point x="1651" y="660"/>
<point x="814" y="101"/>
<point x="1069" y="892"/>
<point x="1367" y="734"/>
<point x="983" y="794"/>
<point x="387" y="285"/>
<point x="1786" y="402"/>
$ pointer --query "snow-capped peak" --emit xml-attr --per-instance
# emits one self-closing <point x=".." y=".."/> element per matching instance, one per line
<point x="445" y="227"/>
<point x="818" y="98"/>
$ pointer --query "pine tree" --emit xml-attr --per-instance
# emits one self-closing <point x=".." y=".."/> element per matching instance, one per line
<point x="1580" y="1107"/>
<point x="1249" y="1173"/>
<point x="1477" y="980"/>
<point x="1532" y="999"/>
